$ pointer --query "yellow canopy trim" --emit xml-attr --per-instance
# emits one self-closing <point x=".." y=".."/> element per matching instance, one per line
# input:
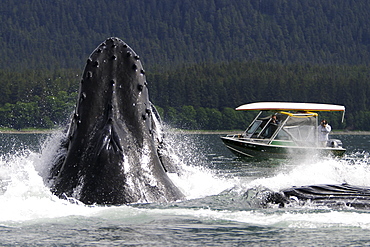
<point x="311" y="114"/>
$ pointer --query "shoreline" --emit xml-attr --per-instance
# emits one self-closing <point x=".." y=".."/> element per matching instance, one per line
<point x="48" y="131"/>
<point x="182" y="131"/>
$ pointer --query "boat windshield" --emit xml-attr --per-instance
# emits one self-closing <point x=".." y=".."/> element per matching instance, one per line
<point x="253" y="128"/>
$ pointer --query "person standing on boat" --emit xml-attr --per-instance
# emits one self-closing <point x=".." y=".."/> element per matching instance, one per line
<point x="324" y="130"/>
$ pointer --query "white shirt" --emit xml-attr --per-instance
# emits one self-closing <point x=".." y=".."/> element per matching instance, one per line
<point x="324" y="132"/>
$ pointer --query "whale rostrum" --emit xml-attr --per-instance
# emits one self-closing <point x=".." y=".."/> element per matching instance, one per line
<point x="113" y="152"/>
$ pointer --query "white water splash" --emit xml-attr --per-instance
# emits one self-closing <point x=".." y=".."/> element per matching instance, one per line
<point x="324" y="171"/>
<point x="25" y="199"/>
<point x="25" y="195"/>
<point x="194" y="180"/>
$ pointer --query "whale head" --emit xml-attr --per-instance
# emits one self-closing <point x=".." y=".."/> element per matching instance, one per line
<point x="111" y="153"/>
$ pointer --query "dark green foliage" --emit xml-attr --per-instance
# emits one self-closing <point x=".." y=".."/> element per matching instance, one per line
<point x="214" y="89"/>
<point x="61" y="34"/>
<point x="41" y="99"/>
<point x="201" y="96"/>
<point x="203" y="58"/>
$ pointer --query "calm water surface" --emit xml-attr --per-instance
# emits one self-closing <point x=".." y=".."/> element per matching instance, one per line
<point x="215" y="213"/>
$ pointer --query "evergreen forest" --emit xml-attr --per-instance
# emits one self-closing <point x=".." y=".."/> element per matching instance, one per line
<point x="203" y="58"/>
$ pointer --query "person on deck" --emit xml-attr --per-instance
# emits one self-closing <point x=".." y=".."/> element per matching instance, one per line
<point x="324" y="130"/>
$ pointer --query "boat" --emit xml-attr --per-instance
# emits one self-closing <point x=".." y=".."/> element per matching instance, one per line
<point x="295" y="133"/>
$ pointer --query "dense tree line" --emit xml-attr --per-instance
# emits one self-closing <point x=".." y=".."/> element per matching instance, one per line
<point x="203" y="57"/>
<point x="233" y="84"/>
<point x="38" y="99"/>
<point x="48" y="113"/>
<point x="61" y="33"/>
<point x="197" y="96"/>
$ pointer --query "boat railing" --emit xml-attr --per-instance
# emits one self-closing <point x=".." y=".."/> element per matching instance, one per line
<point x="249" y="139"/>
<point x="239" y="136"/>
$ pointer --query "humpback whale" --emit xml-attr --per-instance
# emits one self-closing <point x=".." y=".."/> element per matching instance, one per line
<point x="329" y="195"/>
<point x="114" y="150"/>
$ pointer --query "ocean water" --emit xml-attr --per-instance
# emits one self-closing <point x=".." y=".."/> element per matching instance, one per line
<point x="216" y="212"/>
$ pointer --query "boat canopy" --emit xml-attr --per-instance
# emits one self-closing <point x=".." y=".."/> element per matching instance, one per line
<point x="289" y="106"/>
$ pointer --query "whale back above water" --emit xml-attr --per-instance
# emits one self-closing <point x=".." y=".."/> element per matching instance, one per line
<point x="327" y="195"/>
<point x="333" y="195"/>
<point x="113" y="153"/>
